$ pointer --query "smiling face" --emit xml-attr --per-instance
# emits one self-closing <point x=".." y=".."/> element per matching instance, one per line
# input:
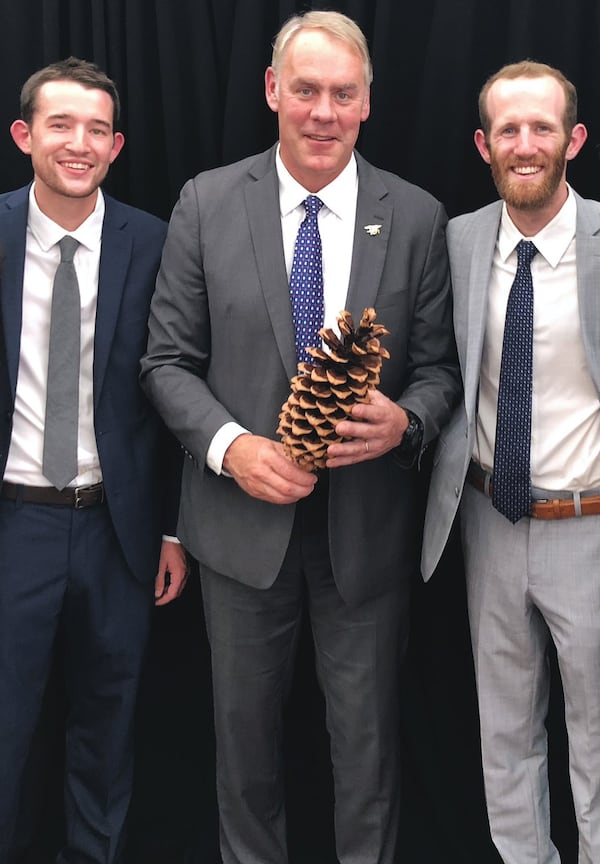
<point x="528" y="147"/>
<point x="321" y="99"/>
<point x="71" y="143"/>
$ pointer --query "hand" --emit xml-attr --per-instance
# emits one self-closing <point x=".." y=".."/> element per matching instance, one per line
<point x="376" y="427"/>
<point x="172" y="573"/>
<point x="262" y="469"/>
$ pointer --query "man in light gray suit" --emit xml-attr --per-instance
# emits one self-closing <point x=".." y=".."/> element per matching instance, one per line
<point x="270" y="537"/>
<point x="534" y="576"/>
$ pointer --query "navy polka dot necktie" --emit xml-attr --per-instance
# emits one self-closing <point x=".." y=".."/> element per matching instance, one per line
<point x="511" y="479"/>
<point x="306" y="281"/>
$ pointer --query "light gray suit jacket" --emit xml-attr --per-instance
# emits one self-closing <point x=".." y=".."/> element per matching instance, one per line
<point x="221" y="348"/>
<point x="471" y="245"/>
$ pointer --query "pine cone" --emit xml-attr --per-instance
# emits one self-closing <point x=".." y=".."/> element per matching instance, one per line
<point x="323" y="392"/>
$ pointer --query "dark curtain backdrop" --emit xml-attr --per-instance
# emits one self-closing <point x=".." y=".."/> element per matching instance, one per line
<point x="190" y="73"/>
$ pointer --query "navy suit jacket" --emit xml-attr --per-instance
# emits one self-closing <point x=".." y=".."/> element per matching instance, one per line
<point x="137" y="459"/>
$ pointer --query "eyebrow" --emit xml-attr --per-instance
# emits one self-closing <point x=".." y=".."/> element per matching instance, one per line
<point x="349" y="85"/>
<point x="96" y="121"/>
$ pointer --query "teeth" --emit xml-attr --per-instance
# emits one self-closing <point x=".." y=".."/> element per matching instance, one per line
<point x="530" y="169"/>
<point x="78" y="165"/>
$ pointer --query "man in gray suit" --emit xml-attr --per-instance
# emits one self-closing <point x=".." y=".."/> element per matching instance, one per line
<point x="270" y="537"/>
<point x="533" y="575"/>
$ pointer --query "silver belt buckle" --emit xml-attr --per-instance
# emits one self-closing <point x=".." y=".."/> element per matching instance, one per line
<point x="82" y="491"/>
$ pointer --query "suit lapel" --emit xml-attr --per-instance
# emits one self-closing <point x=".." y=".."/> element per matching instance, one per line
<point x="371" y="238"/>
<point x="13" y="233"/>
<point x="483" y="244"/>
<point x="588" y="268"/>
<point x="262" y="205"/>
<point x="114" y="262"/>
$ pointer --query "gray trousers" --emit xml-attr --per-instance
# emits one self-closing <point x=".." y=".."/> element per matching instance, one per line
<point x="526" y="584"/>
<point x="358" y="650"/>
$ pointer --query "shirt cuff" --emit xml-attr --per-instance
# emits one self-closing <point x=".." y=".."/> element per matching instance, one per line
<point x="220" y="443"/>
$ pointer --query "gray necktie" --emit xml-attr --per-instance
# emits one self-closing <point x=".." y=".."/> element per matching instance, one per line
<point x="62" y="400"/>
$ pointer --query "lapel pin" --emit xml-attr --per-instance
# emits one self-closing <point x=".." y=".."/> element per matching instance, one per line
<point x="373" y="230"/>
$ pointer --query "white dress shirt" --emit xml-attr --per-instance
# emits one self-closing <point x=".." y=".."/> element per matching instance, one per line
<point x="336" y="226"/>
<point x="565" y="421"/>
<point x="42" y="256"/>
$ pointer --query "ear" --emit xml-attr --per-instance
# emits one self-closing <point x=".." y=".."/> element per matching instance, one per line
<point x="271" y="90"/>
<point x="481" y="145"/>
<point x="118" y="141"/>
<point x="578" y="138"/>
<point x="366" y="106"/>
<point x="21" y="135"/>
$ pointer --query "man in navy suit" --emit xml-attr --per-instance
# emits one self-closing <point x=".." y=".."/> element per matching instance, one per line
<point x="79" y="563"/>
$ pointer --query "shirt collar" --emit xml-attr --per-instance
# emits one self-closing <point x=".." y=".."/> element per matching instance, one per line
<point x="551" y="242"/>
<point x="338" y="196"/>
<point x="48" y="233"/>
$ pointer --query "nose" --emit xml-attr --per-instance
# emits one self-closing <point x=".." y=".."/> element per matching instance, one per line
<point x="525" y="145"/>
<point x="323" y="108"/>
<point x="78" y="139"/>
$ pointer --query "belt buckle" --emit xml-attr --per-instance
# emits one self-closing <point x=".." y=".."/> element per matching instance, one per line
<point x="80" y="494"/>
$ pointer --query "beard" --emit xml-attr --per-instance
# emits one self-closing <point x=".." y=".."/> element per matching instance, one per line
<point x="532" y="195"/>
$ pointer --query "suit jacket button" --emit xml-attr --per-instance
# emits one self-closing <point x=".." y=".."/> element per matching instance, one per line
<point x="457" y="491"/>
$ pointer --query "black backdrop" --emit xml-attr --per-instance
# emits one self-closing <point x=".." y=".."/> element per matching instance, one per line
<point x="190" y="73"/>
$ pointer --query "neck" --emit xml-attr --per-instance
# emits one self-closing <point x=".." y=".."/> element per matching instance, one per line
<point x="67" y="212"/>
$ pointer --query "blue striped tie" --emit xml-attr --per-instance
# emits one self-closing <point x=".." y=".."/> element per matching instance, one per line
<point x="511" y="478"/>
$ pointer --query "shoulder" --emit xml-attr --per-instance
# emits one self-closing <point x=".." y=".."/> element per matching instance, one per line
<point x="588" y="206"/>
<point x="15" y="198"/>
<point x="396" y="188"/>
<point x="125" y="216"/>
<point x="463" y="225"/>
<point x="214" y="193"/>
<point x="236" y="173"/>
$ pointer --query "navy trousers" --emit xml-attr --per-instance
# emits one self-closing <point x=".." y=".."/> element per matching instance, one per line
<point x="62" y="572"/>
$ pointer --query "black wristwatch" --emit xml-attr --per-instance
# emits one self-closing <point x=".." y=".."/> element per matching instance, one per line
<point x="410" y="447"/>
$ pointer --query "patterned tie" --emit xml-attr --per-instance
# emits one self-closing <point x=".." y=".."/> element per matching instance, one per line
<point x="511" y="479"/>
<point x="62" y="400"/>
<point x="306" y="281"/>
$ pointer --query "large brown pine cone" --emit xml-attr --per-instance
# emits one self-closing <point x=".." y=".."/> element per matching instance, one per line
<point x="323" y="392"/>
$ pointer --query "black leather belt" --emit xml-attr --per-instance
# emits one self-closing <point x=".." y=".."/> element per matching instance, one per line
<point x="76" y="497"/>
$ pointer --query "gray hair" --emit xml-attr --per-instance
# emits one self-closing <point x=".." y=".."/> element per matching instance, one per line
<point x="334" y="24"/>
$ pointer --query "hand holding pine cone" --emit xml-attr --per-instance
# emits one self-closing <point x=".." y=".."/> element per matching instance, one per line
<point x="323" y="392"/>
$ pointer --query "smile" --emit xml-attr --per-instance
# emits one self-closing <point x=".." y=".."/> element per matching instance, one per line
<point x="76" y="166"/>
<point x="528" y="169"/>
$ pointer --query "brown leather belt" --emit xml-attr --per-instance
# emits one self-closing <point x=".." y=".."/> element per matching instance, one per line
<point x="75" y="497"/>
<point x="572" y="505"/>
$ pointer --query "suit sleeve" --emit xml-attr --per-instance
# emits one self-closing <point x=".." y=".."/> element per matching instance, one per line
<point x="433" y="383"/>
<point x="174" y="367"/>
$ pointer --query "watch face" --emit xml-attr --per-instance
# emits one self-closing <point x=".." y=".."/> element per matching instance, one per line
<point x="411" y="430"/>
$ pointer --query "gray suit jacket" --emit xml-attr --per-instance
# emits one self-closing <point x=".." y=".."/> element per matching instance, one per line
<point x="471" y="245"/>
<point x="221" y="348"/>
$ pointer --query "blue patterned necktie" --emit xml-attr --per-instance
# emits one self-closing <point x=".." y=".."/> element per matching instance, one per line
<point x="306" y="281"/>
<point x="62" y="397"/>
<point x="511" y="479"/>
